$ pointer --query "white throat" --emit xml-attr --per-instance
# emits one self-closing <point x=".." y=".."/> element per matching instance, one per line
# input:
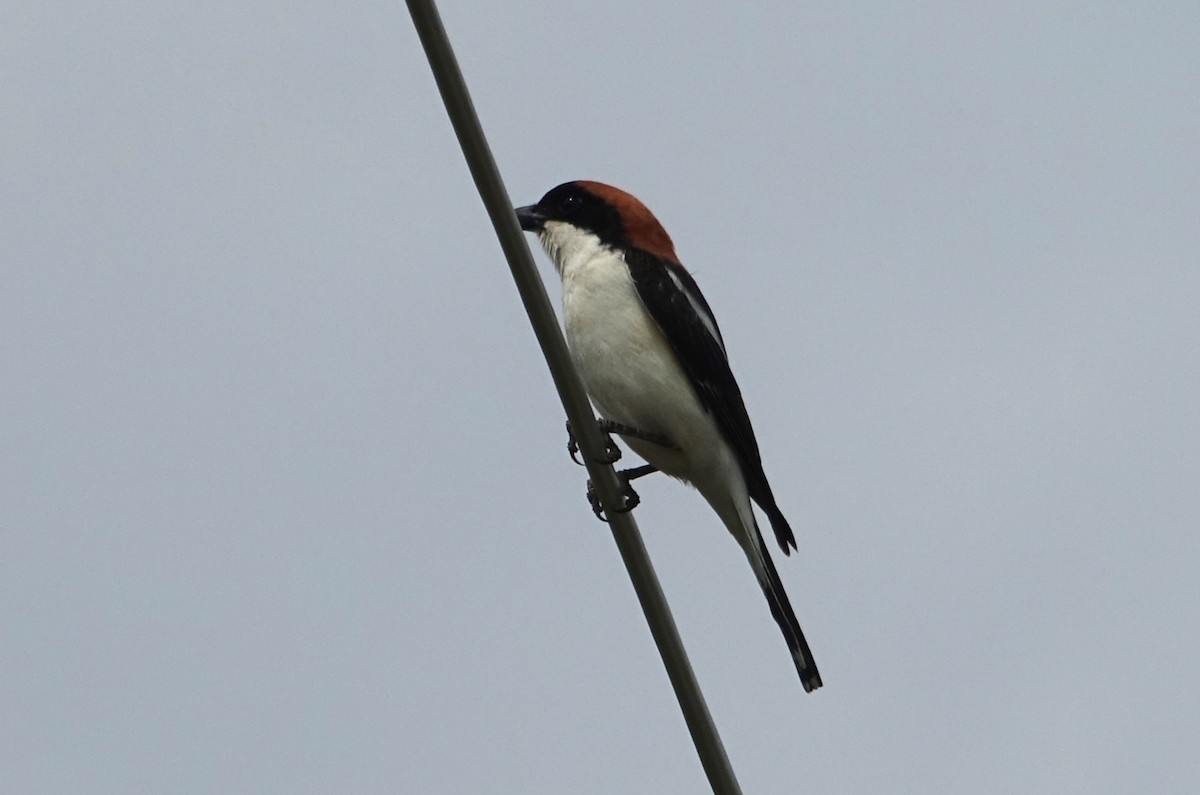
<point x="569" y="247"/>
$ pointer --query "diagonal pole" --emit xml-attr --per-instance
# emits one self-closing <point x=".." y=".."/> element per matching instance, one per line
<point x="579" y="411"/>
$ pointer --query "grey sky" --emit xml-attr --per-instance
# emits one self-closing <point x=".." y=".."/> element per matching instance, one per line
<point x="285" y="500"/>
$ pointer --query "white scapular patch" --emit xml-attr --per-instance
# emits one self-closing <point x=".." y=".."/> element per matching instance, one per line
<point x="699" y="309"/>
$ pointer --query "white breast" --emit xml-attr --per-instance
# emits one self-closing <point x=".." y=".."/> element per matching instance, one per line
<point x="626" y="364"/>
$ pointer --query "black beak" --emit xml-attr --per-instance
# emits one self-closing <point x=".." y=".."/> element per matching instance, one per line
<point x="532" y="219"/>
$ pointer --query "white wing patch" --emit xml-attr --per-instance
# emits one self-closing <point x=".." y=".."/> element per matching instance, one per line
<point x="699" y="309"/>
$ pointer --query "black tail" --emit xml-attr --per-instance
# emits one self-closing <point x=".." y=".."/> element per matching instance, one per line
<point x="785" y="617"/>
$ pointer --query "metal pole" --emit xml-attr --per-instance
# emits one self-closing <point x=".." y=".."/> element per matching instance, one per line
<point x="579" y="411"/>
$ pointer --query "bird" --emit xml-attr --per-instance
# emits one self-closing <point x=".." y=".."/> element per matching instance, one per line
<point x="652" y="359"/>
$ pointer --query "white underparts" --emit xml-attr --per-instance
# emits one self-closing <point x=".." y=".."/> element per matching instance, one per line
<point x="633" y="376"/>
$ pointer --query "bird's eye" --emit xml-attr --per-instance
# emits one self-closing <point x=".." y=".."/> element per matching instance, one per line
<point x="570" y="204"/>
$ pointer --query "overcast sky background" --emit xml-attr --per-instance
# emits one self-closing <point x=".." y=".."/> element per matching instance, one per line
<point x="284" y="499"/>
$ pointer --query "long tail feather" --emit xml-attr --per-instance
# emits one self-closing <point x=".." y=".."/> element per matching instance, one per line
<point x="785" y="617"/>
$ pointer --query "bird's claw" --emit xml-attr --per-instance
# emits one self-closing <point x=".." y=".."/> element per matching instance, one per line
<point x="612" y="453"/>
<point x="572" y="445"/>
<point x="629" y="499"/>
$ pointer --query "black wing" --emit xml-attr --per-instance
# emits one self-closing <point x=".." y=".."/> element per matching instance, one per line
<point x="678" y="307"/>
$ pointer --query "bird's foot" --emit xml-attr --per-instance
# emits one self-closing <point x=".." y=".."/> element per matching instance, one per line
<point x="612" y="453"/>
<point x="629" y="501"/>
<point x="629" y="497"/>
<point x="621" y="429"/>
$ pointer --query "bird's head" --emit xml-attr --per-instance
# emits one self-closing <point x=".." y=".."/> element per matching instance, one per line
<point x="579" y="216"/>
